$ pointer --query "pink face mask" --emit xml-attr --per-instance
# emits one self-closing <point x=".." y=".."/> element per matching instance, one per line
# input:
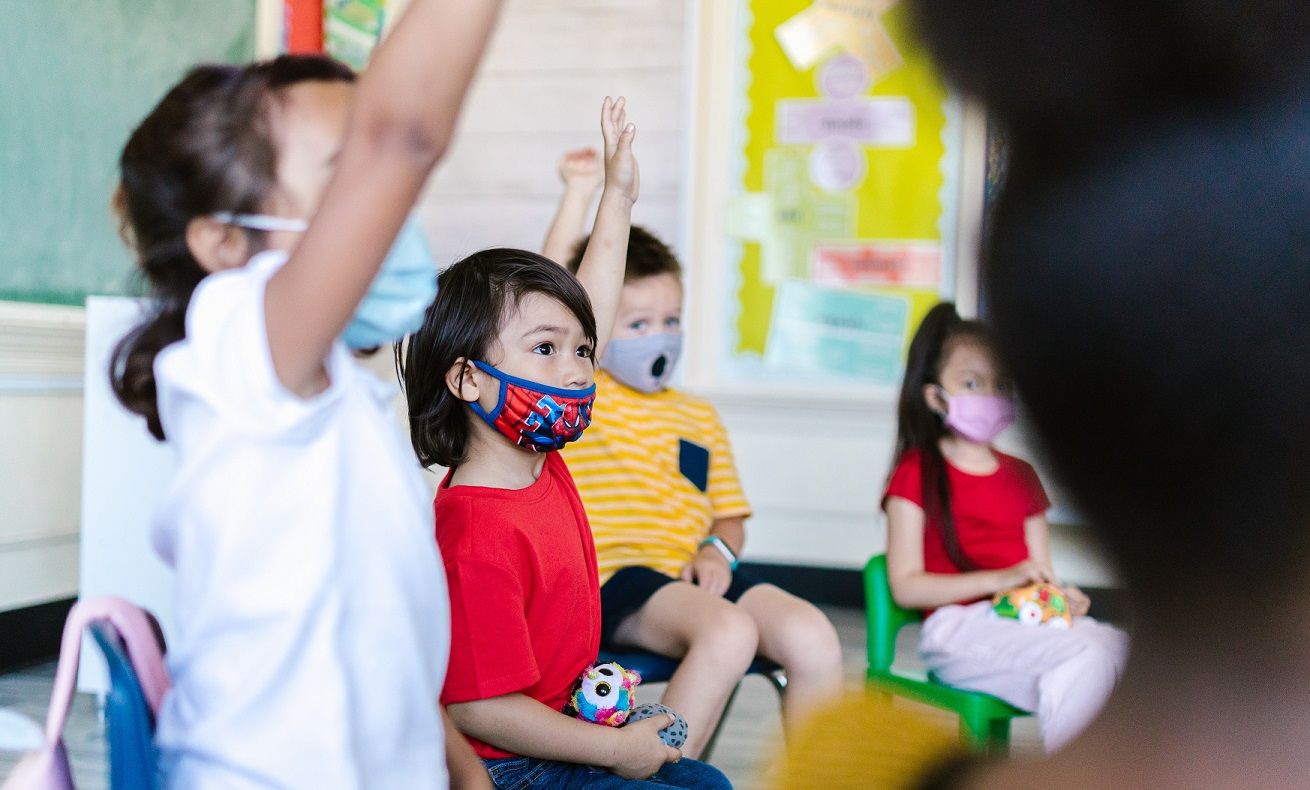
<point x="978" y="418"/>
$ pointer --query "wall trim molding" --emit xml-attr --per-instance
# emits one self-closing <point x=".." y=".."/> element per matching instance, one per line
<point x="42" y="348"/>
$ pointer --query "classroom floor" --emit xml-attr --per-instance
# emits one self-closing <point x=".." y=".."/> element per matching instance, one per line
<point x="749" y="740"/>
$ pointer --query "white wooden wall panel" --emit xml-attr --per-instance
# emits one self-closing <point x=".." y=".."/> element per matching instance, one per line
<point x="538" y="94"/>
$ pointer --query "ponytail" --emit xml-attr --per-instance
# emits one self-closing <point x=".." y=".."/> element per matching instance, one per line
<point x="920" y="429"/>
<point x="204" y="148"/>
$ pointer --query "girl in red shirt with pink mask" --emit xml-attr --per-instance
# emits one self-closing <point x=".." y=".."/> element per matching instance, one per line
<point x="965" y="521"/>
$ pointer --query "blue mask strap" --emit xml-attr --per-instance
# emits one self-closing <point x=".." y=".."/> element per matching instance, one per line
<point x="506" y="379"/>
<point x="490" y="418"/>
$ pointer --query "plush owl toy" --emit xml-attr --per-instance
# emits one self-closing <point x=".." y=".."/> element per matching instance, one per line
<point x="606" y="694"/>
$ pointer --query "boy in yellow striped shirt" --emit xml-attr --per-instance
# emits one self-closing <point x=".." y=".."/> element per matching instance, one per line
<point x="657" y="479"/>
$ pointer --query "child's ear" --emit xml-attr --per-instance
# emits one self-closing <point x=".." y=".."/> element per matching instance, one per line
<point x="216" y="246"/>
<point x="462" y="381"/>
<point x="932" y="395"/>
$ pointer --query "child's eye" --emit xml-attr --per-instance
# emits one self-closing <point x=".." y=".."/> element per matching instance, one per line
<point x="585" y="352"/>
<point x="673" y="323"/>
<point x="544" y="348"/>
<point x="637" y="326"/>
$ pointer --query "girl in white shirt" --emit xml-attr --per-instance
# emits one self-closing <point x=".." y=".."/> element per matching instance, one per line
<point x="262" y="203"/>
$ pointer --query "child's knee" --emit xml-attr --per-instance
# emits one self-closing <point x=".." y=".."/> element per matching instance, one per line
<point x="810" y="642"/>
<point x="1090" y="671"/>
<point x="730" y="634"/>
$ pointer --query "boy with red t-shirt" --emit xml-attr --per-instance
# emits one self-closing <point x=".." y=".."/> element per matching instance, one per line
<point x="500" y="376"/>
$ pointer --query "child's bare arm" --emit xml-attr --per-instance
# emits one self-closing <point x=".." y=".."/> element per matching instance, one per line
<point x="401" y="123"/>
<point x="466" y="771"/>
<point x="1037" y="535"/>
<point x="521" y="725"/>
<point x="580" y="171"/>
<point x="915" y="588"/>
<point x="601" y="270"/>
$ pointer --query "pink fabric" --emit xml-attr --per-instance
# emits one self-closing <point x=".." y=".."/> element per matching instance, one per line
<point x="1062" y="675"/>
<point x="47" y="769"/>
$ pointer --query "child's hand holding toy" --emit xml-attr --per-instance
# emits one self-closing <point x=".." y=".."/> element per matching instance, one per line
<point x="1035" y="604"/>
<point x="607" y="694"/>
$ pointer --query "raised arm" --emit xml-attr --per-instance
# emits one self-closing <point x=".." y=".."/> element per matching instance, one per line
<point x="601" y="270"/>
<point x="401" y="124"/>
<point x="581" y="173"/>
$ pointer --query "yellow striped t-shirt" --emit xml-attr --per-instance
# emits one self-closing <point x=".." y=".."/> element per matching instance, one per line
<point x="654" y="472"/>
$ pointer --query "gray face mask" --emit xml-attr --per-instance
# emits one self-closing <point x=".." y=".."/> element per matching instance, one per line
<point x="644" y="363"/>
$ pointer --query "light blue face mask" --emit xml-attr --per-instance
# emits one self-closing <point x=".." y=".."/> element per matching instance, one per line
<point x="645" y="362"/>
<point x="400" y="294"/>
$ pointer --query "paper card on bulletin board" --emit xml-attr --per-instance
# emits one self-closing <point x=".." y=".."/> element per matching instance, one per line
<point x="847" y="149"/>
<point x="353" y="28"/>
<point x="837" y="332"/>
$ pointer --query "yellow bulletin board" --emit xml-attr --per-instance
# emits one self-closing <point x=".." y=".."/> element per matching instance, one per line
<point x="841" y="208"/>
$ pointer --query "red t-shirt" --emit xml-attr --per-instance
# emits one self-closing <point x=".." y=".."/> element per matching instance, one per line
<point x="524" y="596"/>
<point x="989" y="511"/>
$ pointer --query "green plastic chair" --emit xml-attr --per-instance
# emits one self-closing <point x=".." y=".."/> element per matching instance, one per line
<point x="984" y="719"/>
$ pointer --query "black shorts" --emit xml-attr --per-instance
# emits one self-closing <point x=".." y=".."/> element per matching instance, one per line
<point x="630" y="588"/>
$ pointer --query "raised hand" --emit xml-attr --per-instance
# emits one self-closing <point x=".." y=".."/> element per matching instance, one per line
<point x="621" y="174"/>
<point x="580" y="170"/>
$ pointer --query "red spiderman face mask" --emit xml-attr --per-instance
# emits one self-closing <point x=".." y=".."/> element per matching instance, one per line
<point x="536" y="417"/>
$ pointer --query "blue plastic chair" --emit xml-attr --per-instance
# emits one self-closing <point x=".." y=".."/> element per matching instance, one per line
<point x="655" y="668"/>
<point x="133" y="759"/>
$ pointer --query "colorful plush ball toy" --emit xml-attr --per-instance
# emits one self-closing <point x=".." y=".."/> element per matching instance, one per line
<point x="1036" y="604"/>
<point x="606" y="694"/>
<point x="674" y="735"/>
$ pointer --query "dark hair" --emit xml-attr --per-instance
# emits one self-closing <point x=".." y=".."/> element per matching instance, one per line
<point x="474" y="298"/>
<point x="919" y="429"/>
<point x="206" y="147"/>
<point x="1153" y="302"/>
<point x="647" y="256"/>
<point x="1073" y="71"/>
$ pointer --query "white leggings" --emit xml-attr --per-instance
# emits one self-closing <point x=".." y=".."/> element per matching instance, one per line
<point x="1063" y="676"/>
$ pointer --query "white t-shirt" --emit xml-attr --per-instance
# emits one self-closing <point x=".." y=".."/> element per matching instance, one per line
<point x="312" y="616"/>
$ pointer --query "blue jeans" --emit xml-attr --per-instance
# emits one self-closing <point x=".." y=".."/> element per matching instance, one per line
<point x="522" y="773"/>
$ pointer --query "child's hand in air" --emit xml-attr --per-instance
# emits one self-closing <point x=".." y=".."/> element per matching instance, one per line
<point x="580" y="171"/>
<point x="643" y="752"/>
<point x="621" y="177"/>
<point x="708" y="570"/>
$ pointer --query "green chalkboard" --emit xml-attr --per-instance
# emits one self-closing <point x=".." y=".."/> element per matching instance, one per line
<point x="75" y="77"/>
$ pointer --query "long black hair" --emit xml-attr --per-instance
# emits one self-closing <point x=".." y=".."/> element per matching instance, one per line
<point x="1153" y="300"/>
<point x="474" y="297"/>
<point x="919" y="429"/>
<point x="206" y="147"/>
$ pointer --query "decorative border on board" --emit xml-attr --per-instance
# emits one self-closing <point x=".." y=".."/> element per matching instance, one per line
<point x="952" y="164"/>
<point x="742" y="79"/>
